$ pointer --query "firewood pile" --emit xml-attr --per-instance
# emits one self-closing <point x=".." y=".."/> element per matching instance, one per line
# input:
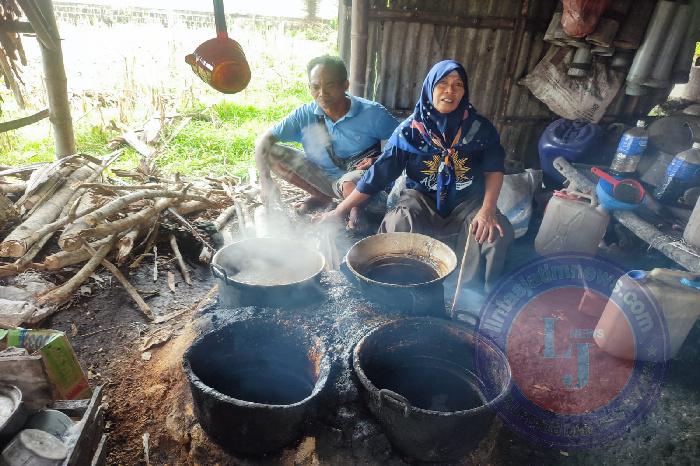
<point x="76" y="215"/>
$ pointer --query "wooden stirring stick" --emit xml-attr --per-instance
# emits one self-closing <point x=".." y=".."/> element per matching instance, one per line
<point x="461" y="271"/>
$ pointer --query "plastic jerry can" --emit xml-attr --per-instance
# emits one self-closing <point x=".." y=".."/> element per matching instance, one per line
<point x="677" y="300"/>
<point x="568" y="139"/>
<point x="692" y="230"/>
<point x="572" y="223"/>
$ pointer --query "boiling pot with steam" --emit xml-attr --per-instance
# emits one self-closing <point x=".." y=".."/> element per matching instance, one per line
<point x="267" y="272"/>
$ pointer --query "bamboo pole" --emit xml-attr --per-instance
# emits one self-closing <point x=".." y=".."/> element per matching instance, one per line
<point x="358" y="47"/>
<point x="56" y="83"/>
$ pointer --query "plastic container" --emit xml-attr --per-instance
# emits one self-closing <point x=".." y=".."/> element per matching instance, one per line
<point x="692" y="230"/>
<point x="572" y="223"/>
<point x="604" y="191"/>
<point x="679" y="303"/>
<point x="632" y="145"/>
<point x="34" y="447"/>
<point x="568" y="139"/>
<point x="51" y="421"/>
<point x="682" y="173"/>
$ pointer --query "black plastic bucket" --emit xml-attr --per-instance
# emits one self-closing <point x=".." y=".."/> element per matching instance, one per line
<point x="423" y="384"/>
<point x="254" y="384"/>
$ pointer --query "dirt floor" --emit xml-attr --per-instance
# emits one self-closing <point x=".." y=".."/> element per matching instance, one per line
<point x="150" y="416"/>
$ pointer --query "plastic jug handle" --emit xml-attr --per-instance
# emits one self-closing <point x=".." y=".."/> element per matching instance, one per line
<point x="695" y="283"/>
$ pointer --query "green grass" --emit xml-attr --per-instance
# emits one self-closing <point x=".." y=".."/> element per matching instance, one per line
<point x="222" y="144"/>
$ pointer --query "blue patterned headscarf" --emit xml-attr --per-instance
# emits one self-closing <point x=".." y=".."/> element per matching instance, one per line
<point x="428" y="130"/>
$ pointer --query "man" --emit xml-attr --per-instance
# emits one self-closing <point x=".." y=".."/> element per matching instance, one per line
<point x="340" y="134"/>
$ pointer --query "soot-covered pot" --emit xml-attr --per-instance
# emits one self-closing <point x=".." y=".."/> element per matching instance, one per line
<point x="254" y="383"/>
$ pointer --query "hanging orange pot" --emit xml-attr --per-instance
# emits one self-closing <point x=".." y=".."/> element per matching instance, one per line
<point x="220" y="62"/>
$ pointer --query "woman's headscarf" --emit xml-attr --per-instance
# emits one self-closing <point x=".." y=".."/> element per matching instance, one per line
<point x="427" y="128"/>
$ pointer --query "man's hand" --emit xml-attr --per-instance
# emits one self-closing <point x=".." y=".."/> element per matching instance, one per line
<point x="365" y="163"/>
<point x="485" y="225"/>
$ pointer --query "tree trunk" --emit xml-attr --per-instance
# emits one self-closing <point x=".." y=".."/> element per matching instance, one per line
<point x="56" y="85"/>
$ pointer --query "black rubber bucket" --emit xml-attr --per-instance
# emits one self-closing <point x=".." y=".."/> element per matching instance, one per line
<point x="254" y="383"/>
<point x="422" y="382"/>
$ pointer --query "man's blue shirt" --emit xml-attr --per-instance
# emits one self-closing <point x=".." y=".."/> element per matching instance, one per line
<point x="365" y="124"/>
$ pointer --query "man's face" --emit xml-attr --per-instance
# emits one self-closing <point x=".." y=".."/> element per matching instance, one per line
<point x="448" y="92"/>
<point x="327" y="89"/>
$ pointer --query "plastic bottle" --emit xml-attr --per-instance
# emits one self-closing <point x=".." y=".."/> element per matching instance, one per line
<point x="568" y="139"/>
<point x="677" y="299"/>
<point x="692" y="230"/>
<point x="632" y="145"/>
<point x="682" y="173"/>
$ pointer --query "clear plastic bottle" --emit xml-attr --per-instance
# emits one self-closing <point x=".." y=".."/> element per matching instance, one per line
<point x="632" y="145"/>
<point x="682" y="173"/>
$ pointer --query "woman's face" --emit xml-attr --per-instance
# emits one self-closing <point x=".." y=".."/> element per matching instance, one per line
<point x="448" y="92"/>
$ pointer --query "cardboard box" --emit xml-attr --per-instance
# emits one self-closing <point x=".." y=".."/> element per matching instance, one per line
<point x="64" y="378"/>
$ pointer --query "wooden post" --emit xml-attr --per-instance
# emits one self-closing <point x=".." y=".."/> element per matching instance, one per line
<point x="56" y="86"/>
<point x="344" y="11"/>
<point x="358" y="47"/>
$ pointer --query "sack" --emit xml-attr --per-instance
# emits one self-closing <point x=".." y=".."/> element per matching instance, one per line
<point x="515" y="200"/>
<point x="580" y="17"/>
<point x="573" y="98"/>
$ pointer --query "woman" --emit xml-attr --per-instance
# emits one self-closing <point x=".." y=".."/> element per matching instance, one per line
<point x="454" y="166"/>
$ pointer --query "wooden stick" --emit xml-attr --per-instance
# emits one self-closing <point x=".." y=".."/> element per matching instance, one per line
<point x="16" y="187"/>
<point x="119" y="204"/>
<point x="150" y="242"/>
<point x="130" y="187"/>
<point x="20" y="122"/>
<point x="461" y="271"/>
<point x="62" y="293"/>
<point x="125" y="244"/>
<point x="145" y="309"/>
<point x="128" y="222"/>
<point x="180" y="260"/>
<point x="189" y="226"/>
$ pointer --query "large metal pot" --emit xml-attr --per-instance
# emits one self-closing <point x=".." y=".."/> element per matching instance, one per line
<point x="254" y="383"/>
<point x="415" y="252"/>
<point x="267" y="272"/>
<point x="432" y="384"/>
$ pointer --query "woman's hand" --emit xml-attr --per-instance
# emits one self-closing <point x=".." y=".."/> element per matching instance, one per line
<point x="328" y="217"/>
<point x="485" y="225"/>
<point x="365" y="163"/>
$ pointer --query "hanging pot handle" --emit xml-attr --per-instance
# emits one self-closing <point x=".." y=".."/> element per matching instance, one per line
<point x="218" y="272"/>
<point x="392" y="395"/>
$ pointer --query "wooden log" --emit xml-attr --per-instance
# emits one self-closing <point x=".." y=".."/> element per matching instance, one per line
<point x="190" y="207"/>
<point x="62" y="293"/>
<point x="121" y="203"/>
<point x="139" y="218"/>
<point x="85" y="205"/>
<point x="125" y="244"/>
<point x="18" y="242"/>
<point x="16" y="187"/>
<point x="39" y="189"/>
<point x="63" y="259"/>
<point x="7" y="211"/>
<point x="180" y="261"/>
